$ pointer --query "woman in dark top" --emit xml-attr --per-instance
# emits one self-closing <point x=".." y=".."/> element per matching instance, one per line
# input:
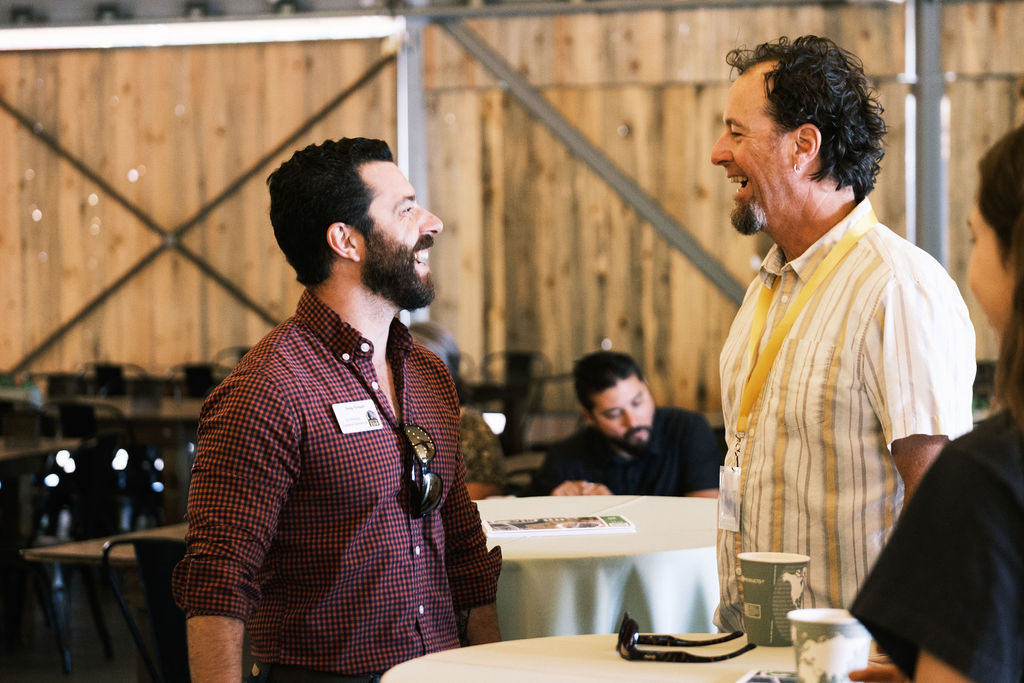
<point x="945" y="600"/>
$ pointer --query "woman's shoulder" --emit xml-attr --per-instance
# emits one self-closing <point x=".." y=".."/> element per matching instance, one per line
<point x="997" y="435"/>
<point x="994" y="448"/>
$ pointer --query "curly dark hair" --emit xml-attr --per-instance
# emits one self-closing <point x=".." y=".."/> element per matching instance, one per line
<point x="816" y="81"/>
<point x="318" y="186"/>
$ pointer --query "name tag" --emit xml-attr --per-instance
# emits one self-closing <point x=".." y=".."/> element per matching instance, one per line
<point x="729" y="498"/>
<point x="357" y="416"/>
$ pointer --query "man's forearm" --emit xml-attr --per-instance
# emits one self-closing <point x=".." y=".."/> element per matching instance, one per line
<point x="215" y="649"/>
<point x="913" y="455"/>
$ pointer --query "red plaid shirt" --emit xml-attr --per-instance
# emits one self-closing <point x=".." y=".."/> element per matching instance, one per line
<point x="304" y="532"/>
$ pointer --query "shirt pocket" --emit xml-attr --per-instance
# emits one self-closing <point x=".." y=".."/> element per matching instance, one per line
<point x="800" y="385"/>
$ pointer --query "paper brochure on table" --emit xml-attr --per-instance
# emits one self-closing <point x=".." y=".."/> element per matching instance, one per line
<point x="559" y="526"/>
<point x="765" y="676"/>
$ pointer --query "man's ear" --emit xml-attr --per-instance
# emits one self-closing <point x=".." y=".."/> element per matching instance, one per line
<point x="807" y="143"/>
<point x="588" y="416"/>
<point x="345" y="241"/>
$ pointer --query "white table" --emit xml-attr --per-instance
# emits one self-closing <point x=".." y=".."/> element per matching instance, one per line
<point x="664" y="574"/>
<point x="580" y="658"/>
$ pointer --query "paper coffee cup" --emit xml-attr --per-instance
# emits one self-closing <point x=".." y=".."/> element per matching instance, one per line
<point x="773" y="585"/>
<point x="828" y="643"/>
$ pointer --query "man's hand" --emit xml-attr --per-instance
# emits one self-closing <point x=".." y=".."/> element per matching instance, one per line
<point x="879" y="673"/>
<point x="581" y="488"/>
<point x="880" y="670"/>
<point x="481" y="625"/>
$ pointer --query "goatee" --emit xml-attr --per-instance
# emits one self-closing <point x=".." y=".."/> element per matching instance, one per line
<point x="634" y="442"/>
<point x="748" y="218"/>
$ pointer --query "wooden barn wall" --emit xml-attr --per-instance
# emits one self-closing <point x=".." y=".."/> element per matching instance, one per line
<point x="981" y="55"/>
<point x="538" y="252"/>
<point x="565" y="264"/>
<point x="169" y="129"/>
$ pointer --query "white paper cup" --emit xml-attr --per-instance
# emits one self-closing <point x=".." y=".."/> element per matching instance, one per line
<point x="828" y="643"/>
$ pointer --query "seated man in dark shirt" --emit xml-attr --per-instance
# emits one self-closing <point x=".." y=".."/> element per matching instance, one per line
<point x="629" y="445"/>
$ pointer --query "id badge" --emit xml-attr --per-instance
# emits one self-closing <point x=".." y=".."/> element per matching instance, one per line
<point x="729" y="498"/>
<point x="357" y="416"/>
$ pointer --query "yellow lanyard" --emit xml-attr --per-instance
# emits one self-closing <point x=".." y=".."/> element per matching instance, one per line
<point x="759" y="372"/>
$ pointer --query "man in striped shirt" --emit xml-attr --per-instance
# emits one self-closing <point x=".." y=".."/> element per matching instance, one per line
<point x="851" y="359"/>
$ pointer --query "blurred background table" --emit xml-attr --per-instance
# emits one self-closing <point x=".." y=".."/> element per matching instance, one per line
<point x="664" y="574"/>
<point x="579" y="658"/>
<point x="168" y="424"/>
<point x="90" y="551"/>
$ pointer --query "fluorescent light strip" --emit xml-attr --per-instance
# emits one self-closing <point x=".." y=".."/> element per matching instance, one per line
<point x="205" y="32"/>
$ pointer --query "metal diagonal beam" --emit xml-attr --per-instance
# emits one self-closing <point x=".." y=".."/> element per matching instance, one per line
<point x="316" y="118"/>
<point x="80" y="166"/>
<point x="647" y="208"/>
<point x="87" y="310"/>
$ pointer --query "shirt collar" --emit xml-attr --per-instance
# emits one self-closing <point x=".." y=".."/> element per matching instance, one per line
<point x="804" y="265"/>
<point x="337" y="335"/>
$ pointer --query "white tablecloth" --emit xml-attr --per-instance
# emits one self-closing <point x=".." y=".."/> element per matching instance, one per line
<point x="580" y="658"/>
<point x="664" y="574"/>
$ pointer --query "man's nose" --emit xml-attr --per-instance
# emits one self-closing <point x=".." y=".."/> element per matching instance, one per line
<point x="720" y="154"/>
<point x="431" y="224"/>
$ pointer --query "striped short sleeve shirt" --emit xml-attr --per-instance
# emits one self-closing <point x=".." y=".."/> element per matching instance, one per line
<point x="883" y="350"/>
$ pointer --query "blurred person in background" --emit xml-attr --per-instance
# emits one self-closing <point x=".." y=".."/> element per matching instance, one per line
<point x="481" y="450"/>
<point x="630" y="446"/>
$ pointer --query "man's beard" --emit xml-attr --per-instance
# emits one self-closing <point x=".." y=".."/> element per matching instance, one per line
<point x="390" y="271"/>
<point x="635" y="442"/>
<point x="748" y="218"/>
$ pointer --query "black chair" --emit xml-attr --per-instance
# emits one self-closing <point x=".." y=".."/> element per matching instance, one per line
<point x="112" y="379"/>
<point x="109" y="380"/>
<point x="163" y="650"/>
<point x="77" y="503"/>
<point x="104" y="500"/>
<point x="519" y="471"/>
<point x="64" y="385"/>
<point x="20" y="422"/>
<point x="510" y="377"/>
<point x="197" y="379"/>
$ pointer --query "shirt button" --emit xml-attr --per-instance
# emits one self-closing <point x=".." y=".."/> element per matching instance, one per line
<point x="416" y="550"/>
<point x="375" y="386"/>
<point x="738" y="572"/>
<point x="421" y="609"/>
<point x="364" y="347"/>
<point x="345" y="356"/>
<point x="785" y="298"/>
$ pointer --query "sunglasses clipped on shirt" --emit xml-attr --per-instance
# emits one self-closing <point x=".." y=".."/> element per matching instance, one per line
<point x="427" y="493"/>
<point x="630" y="637"/>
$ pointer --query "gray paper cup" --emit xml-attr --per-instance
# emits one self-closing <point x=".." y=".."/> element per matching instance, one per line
<point x="773" y="585"/>
<point x="829" y="644"/>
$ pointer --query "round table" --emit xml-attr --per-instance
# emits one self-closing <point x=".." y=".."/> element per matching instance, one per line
<point x="580" y="658"/>
<point x="664" y="574"/>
